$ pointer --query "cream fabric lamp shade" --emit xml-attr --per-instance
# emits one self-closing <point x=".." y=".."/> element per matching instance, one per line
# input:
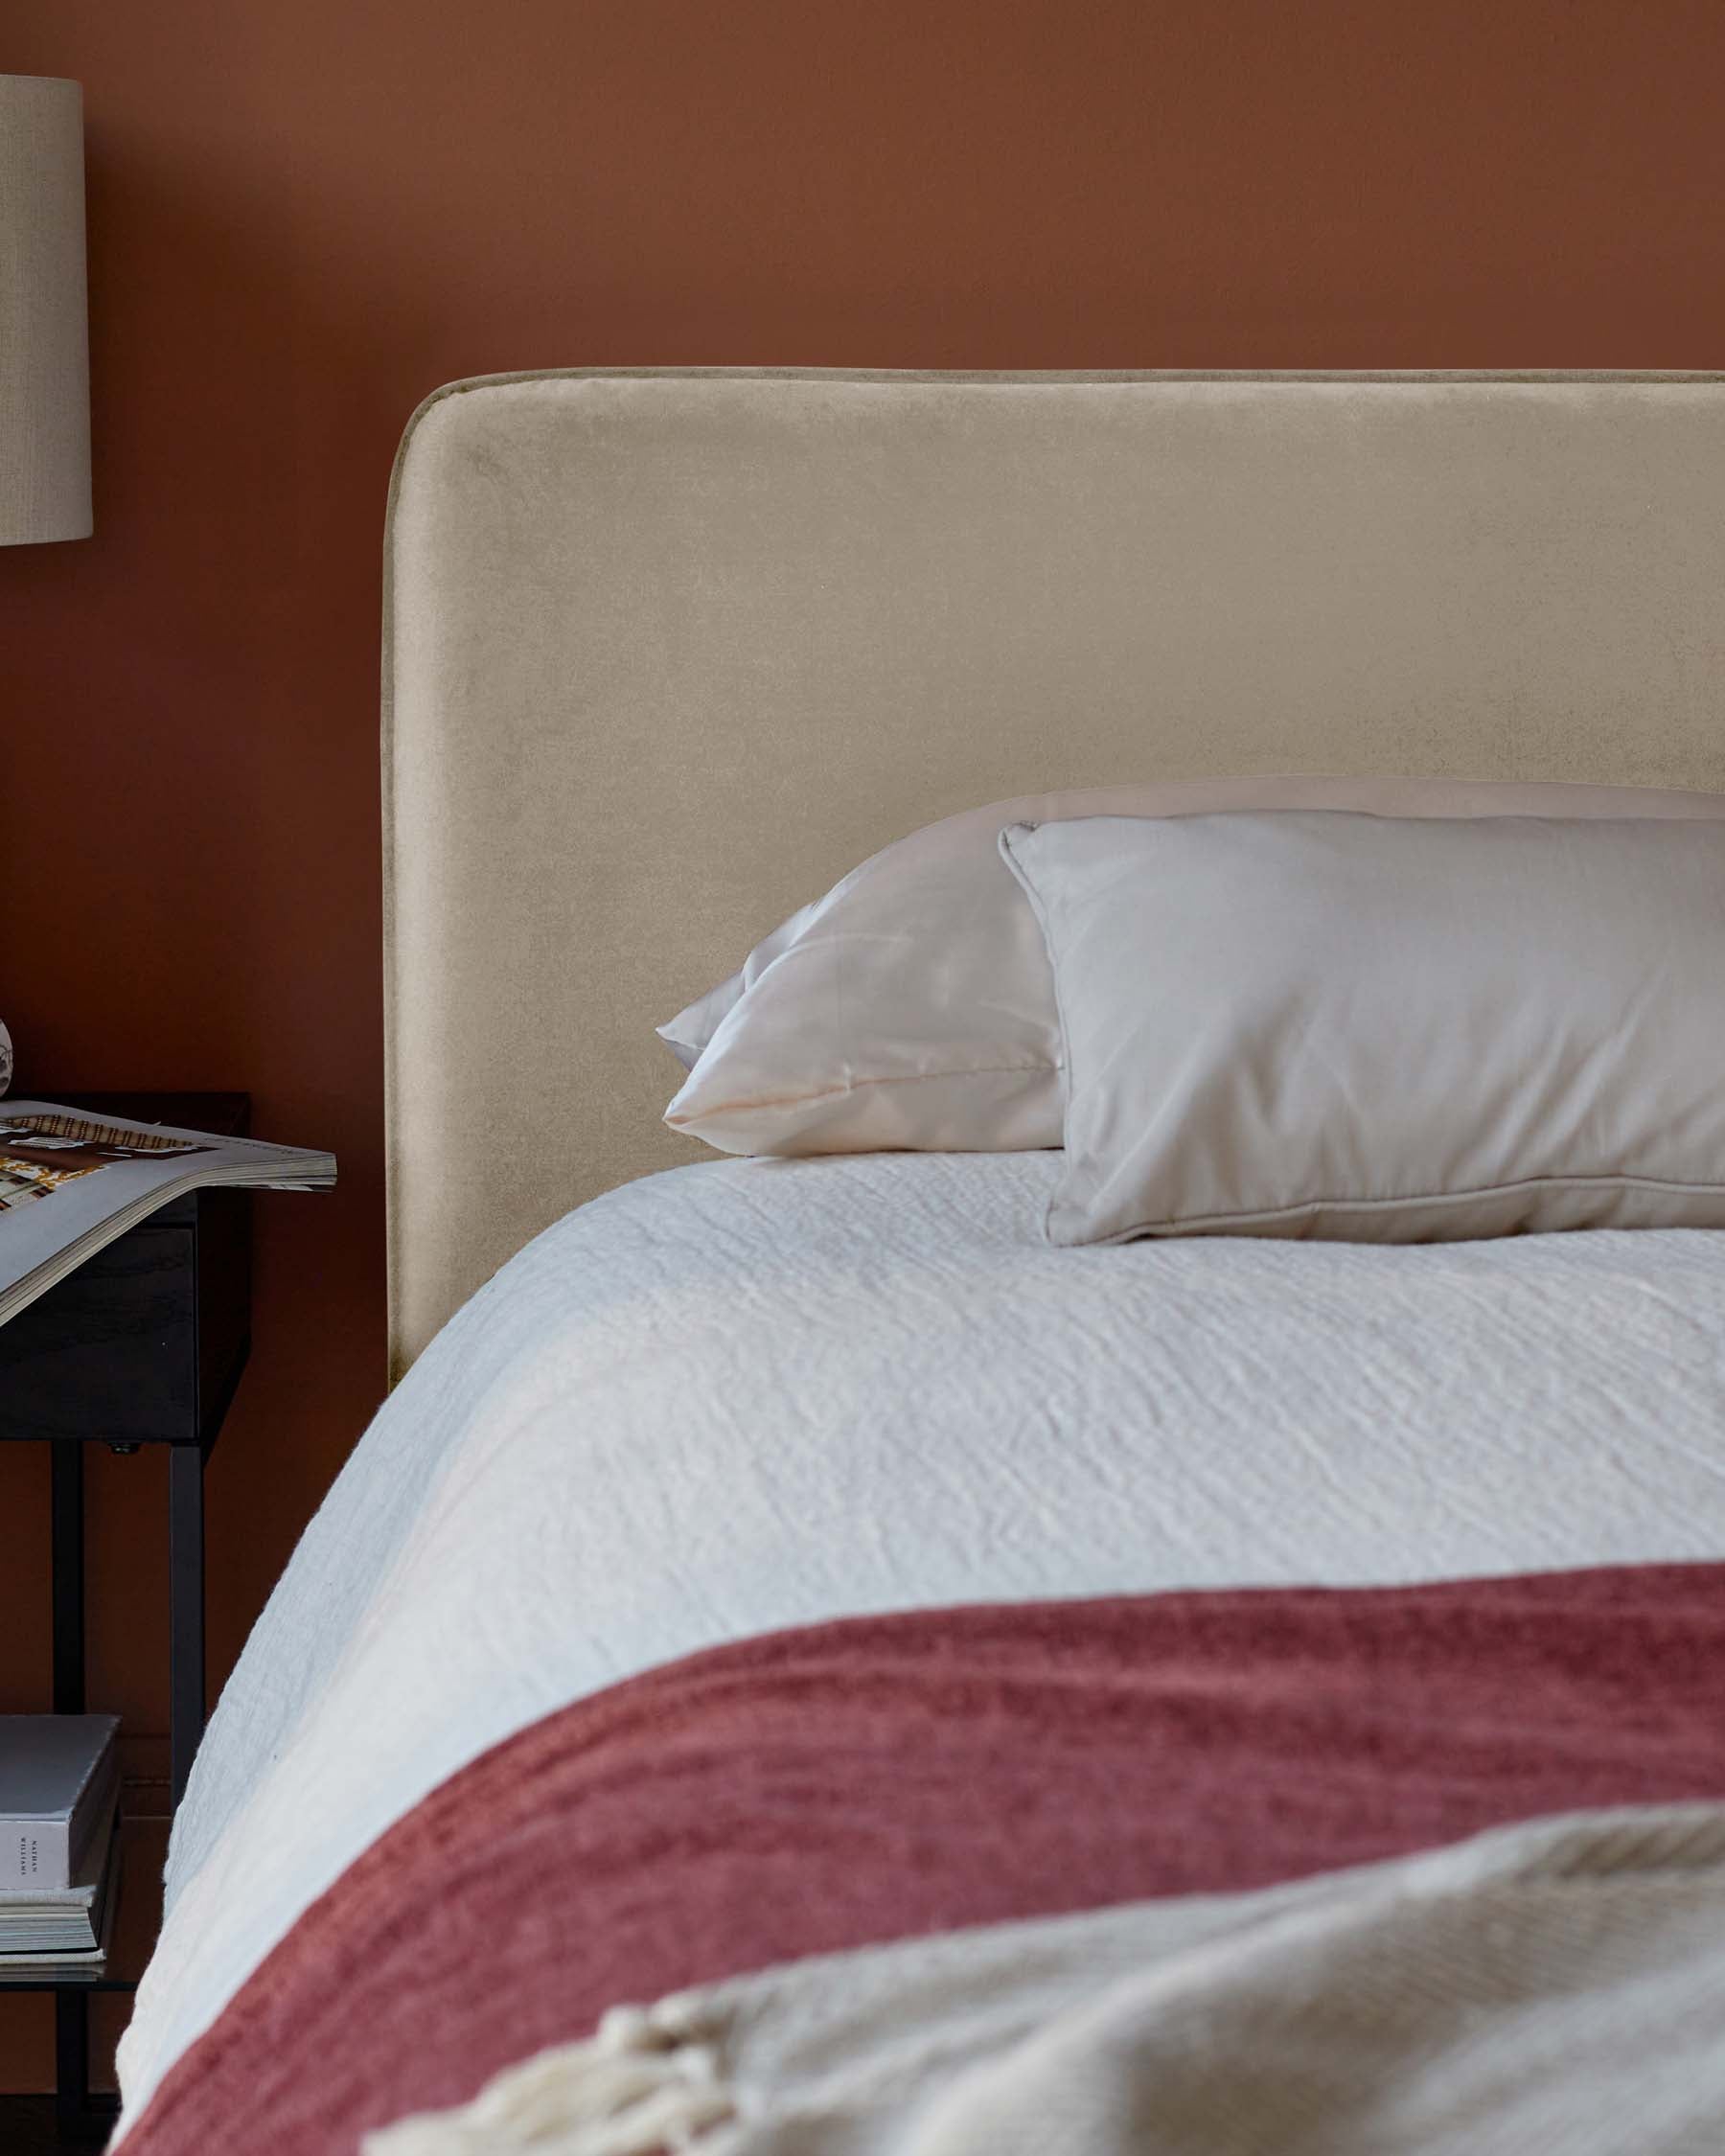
<point x="44" y="345"/>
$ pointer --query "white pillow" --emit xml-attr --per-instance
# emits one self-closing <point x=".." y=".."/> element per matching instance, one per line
<point x="912" y="1008"/>
<point x="1378" y="1029"/>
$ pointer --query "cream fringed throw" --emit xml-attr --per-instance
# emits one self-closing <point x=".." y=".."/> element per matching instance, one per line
<point x="1552" y="1986"/>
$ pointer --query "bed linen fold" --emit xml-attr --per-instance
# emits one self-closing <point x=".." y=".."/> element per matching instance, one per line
<point x="906" y="1776"/>
<point x="1554" y="1986"/>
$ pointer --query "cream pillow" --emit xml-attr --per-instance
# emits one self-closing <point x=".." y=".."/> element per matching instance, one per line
<point x="912" y="1008"/>
<point x="1384" y="1030"/>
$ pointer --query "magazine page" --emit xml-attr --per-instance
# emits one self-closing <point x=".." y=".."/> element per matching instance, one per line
<point x="71" y="1180"/>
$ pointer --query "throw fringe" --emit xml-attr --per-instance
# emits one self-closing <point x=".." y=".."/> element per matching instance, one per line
<point x="640" y="2084"/>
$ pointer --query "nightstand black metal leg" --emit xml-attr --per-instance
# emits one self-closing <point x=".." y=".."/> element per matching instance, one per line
<point x="71" y="2008"/>
<point x="185" y="1610"/>
<point x="72" y="2057"/>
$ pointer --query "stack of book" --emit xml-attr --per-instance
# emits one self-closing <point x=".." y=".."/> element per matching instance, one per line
<point x="59" y="1797"/>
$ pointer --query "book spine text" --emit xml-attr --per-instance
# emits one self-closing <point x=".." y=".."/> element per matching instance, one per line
<point x="34" y="1853"/>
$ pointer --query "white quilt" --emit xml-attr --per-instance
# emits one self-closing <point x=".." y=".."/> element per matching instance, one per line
<point x="754" y="1393"/>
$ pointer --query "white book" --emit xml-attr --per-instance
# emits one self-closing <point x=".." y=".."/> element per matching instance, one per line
<point x="71" y="1180"/>
<point x="58" y="1783"/>
<point x="72" y="1927"/>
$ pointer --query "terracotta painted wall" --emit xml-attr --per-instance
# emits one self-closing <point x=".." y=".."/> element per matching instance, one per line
<point x="305" y="214"/>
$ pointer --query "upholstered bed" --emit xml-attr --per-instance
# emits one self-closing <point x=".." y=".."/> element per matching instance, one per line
<point x="667" y="652"/>
<point x="670" y="651"/>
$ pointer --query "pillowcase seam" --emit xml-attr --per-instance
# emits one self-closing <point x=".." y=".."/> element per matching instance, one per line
<point x="856" y="1086"/>
<point x="1307" y="1207"/>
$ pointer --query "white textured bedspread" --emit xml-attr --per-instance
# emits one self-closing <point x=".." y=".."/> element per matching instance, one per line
<point x="753" y="1393"/>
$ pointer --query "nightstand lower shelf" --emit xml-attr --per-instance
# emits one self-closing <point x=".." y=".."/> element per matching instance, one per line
<point x="77" y="2114"/>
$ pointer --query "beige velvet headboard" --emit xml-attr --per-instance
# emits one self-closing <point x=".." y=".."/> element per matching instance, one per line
<point x="669" y="650"/>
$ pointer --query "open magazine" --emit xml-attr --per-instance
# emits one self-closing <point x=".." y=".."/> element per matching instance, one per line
<point x="71" y="1182"/>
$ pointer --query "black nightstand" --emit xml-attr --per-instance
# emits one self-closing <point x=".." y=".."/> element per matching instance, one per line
<point x="142" y="1345"/>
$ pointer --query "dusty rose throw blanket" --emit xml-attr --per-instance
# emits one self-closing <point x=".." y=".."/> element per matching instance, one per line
<point x="879" y="1778"/>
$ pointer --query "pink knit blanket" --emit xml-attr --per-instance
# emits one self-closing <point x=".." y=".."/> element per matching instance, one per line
<point x="876" y="1778"/>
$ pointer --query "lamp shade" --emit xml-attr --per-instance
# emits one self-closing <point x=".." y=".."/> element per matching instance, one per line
<point x="44" y="339"/>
